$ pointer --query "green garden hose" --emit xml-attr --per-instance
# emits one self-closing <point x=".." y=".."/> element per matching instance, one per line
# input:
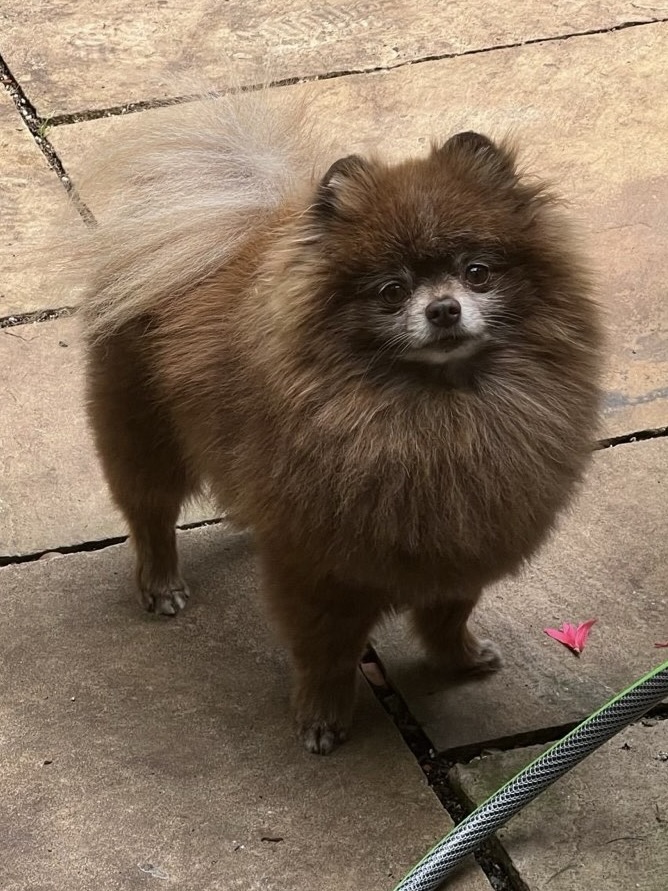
<point x="464" y="839"/>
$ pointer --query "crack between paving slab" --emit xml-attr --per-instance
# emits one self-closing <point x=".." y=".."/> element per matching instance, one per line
<point x="37" y="127"/>
<point x="96" y="545"/>
<point x="539" y="737"/>
<point x="146" y="104"/>
<point x="629" y="438"/>
<point x="40" y="315"/>
<point x="490" y="857"/>
<point x="466" y="753"/>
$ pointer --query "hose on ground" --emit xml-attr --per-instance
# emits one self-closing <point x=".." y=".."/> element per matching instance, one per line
<point x="628" y="706"/>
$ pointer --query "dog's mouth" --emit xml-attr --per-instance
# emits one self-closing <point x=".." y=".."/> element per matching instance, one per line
<point x="450" y="342"/>
<point x="450" y="348"/>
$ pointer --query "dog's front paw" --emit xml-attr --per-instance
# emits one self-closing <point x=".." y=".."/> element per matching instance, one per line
<point x="482" y="657"/>
<point x="472" y="656"/>
<point x="167" y="600"/>
<point x="321" y="737"/>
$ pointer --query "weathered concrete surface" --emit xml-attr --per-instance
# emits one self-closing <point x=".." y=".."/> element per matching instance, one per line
<point x="590" y="146"/>
<point x="29" y="194"/>
<point x="609" y="560"/>
<point x="604" y="826"/>
<point x="52" y="491"/>
<point x="72" y="57"/>
<point x="134" y="749"/>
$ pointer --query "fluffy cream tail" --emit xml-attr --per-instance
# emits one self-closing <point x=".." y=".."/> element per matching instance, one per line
<point x="174" y="198"/>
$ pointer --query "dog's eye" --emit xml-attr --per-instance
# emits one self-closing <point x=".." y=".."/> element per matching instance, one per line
<point x="477" y="274"/>
<point x="393" y="293"/>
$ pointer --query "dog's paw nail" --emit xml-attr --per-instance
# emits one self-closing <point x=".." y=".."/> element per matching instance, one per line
<point x="166" y="602"/>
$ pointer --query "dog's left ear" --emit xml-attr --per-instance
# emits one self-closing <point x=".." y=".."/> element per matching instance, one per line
<point x="497" y="161"/>
<point x="341" y="184"/>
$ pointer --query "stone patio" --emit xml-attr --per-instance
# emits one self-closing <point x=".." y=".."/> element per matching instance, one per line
<point x="136" y="751"/>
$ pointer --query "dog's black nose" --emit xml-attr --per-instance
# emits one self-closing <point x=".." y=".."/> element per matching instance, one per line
<point x="444" y="313"/>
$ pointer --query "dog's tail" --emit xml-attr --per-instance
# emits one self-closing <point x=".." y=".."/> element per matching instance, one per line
<point x="175" y="197"/>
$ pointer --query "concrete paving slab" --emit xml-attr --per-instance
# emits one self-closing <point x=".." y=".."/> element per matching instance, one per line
<point x="609" y="561"/>
<point x="71" y="57"/>
<point x="31" y="193"/>
<point x="603" y="826"/>
<point x="134" y="749"/>
<point x="52" y="492"/>
<point x="585" y="110"/>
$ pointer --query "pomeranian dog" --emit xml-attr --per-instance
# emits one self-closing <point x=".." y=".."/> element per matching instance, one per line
<point x="389" y="372"/>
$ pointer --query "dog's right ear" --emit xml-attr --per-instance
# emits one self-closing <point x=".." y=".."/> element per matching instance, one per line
<point x="494" y="160"/>
<point x="340" y="184"/>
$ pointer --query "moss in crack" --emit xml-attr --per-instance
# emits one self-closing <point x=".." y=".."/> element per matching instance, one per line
<point x="38" y="128"/>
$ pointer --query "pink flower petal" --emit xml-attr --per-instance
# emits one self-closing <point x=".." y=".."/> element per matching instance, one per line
<point x="570" y="636"/>
<point x="562" y="637"/>
<point x="663" y="643"/>
<point x="582" y="633"/>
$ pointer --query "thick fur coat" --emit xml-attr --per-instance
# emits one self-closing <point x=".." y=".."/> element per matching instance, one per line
<point x="388" y="372"/>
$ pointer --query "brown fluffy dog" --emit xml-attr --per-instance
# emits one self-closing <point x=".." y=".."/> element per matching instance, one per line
<point x="389" y="373"/>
